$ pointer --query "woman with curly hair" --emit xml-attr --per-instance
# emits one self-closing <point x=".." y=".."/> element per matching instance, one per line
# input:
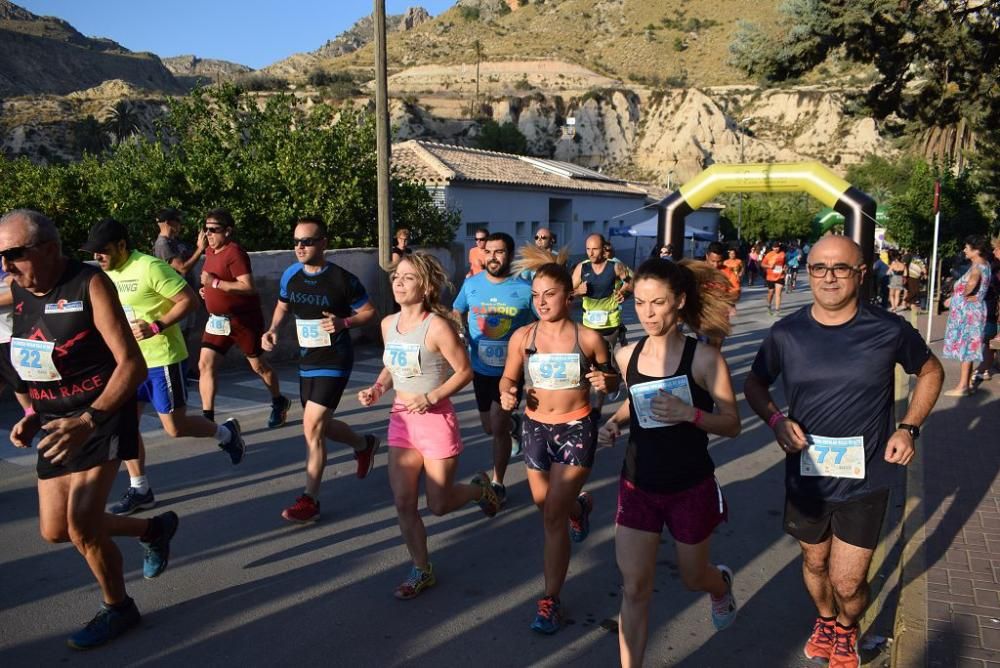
<point x="963" y="335"/>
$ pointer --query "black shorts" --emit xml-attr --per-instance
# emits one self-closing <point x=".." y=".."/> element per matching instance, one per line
<point x="7" y="373"/>
<point x="770" y="284"/>
<point x="116" y="439"/>
<point x="487" y="391"/>
<point x="857" y="521"/>
<point x="322" y="390"/>
<point x="571" y="443"/>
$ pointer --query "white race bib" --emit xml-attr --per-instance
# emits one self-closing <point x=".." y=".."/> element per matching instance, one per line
<point x="218" y="325"/>
<point x="33" y="360"/>
<point x="778" y="269"/>
<point x="554" y="371"/>
<point x="834" y="457"/>
<point x="402" y="359"/>
<point x="492" y="353"/>
<point x="642" y="398"/>
<point x="311" y="334"/>
<point x="129" y="313"/>
<point x="595" y="318"/>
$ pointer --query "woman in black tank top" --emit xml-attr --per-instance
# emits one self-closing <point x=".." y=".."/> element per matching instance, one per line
<point x="680" y="391"/>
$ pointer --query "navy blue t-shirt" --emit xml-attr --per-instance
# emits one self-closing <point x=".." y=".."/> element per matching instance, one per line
<point x="839" y="382"/>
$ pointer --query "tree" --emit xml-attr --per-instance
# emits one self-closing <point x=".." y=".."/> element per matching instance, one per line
<point x="123" y="121"/>
<point x="782" y="216"/>
<point x="506" y="138"/>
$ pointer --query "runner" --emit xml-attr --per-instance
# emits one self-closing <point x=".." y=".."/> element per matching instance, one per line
<point x="497" y="303"/>
<point x="73" y="348"/>
<point x="477" y="254"/>
<point x="234" y="316"/>
<point x="558" y="361"/>
<point x="674" y="384"/>
<point x="603" y="285"/>
<point x="426" y="363"/>
<point x="773" y="265"/>
<point x="714" y="259"/>
<point x="326" y="301"/>
<point x="837" y="360"/>
<point x="545" y="239"/>
<point x="155" y="300"/>
<point x="735" y="264"/>
<point x="8" y="376"/>
<point x="792" y="259"/>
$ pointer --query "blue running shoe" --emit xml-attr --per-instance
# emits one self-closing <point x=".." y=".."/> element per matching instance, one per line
<point x="158" y="550"/>
<point x="724" y="609"/>
<point x="132" y="500"/>
<point x="236" y="447"/>
<point x="279" y="412"/>
<point x="547" y="620"/>
<point x="108" y="624"/>
<point x="580" y="529"/>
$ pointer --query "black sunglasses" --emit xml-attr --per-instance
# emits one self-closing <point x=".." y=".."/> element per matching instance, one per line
<point x="16" y="253"/>
<point x="541" y="238"/>
<point x="308" y="242"/>
<point x="480" y="239"/>
<point x="214" y="230"/>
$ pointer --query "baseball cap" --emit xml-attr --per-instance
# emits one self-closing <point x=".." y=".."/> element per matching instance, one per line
<point x="108" y="231"/>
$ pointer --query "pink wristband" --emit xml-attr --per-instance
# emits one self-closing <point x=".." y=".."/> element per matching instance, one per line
<point x="698" y="415"/>
<point x="347" y="323"/>
<point x="776" y="417"/>
<point x="377" y="386"/>
<point x="29" y="411"/>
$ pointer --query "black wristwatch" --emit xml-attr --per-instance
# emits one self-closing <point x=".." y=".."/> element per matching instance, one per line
<point x="914" y="430"/>
<point x="97" y="416"/>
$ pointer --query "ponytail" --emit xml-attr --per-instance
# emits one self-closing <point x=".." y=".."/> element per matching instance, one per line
<point x="707" y="299"/>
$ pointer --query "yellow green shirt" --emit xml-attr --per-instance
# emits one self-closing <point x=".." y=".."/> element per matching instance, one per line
<point x="145" y="288"/>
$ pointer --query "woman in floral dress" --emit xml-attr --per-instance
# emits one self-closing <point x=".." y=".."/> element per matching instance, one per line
<point x="963" y="337"/>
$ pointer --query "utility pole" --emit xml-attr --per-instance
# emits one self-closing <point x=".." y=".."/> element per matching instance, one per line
<point x="479" y="54"/>
<point x="739" y="208"/>
<point x="382" y="148"/>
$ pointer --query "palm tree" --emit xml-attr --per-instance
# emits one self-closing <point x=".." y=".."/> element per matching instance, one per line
<point x="123" y="121"/>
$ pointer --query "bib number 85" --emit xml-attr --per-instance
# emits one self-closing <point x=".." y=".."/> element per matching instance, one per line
<point x="310" y="331"/>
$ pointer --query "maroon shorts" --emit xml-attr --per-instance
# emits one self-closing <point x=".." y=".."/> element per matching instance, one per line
<point x="690" y="515"/>
<point x="245" y="331"/>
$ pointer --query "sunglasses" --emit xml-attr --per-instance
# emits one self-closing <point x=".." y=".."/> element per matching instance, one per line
<point x="214" y="230"/>
<point x="16" y="253"/>
<point x="538" y="237"/>
<point x="308" y="242"/>
<point x="478" y="239"/>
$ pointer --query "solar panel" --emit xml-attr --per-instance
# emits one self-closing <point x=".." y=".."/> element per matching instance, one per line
<point x="568" y="170"/>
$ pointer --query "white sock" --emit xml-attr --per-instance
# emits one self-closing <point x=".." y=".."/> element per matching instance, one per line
<point x="223" y="435"/>
<point x="139" y="482"/>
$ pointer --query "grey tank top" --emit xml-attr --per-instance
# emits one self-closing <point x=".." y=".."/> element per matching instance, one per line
<point x="414" y="368"/>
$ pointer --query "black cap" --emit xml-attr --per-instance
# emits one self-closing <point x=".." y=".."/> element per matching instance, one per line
<point x="168" y="214"/>
<point x="108" y="231"/>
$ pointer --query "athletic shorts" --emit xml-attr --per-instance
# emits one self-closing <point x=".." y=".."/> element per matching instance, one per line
<point x="165" y="387"/>
<point x="690" y="515"/>
<point x="857" y="521"/>
<point x="323" y="390"/>
<point x="433" y="434"/>
<point x="245" y="331"/>
<point x="770" y="284"/>
<point x="487" y="391"/>
<point x="116" y="439"/>
<point x="571" y="442"/>
<point x="7" y="373"/>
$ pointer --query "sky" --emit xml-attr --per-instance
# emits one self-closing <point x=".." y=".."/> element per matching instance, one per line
<point x="250" y="32"/>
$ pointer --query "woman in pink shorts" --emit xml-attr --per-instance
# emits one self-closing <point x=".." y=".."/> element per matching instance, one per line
<point x="426" y="363"/>
<point x="680" y="391"/>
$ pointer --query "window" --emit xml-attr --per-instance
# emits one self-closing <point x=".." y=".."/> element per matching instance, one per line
<point x="470" y="229"/>
<point x="519" y="232"/>
<point x="588" y="226"/>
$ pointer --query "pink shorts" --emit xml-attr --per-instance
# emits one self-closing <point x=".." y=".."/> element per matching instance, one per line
<point x="434" y="433"/>
<point x="690" y="515"/>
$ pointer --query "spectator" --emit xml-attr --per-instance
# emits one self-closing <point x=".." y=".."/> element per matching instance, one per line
<point x="963" y="336"/>
<point x="477" y="254"/>
<point x="990" y="338"/>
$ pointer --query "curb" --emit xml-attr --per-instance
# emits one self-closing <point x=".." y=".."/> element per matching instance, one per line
<point x="910" y="646"/>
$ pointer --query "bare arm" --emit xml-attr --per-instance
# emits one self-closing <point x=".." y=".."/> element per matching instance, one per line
<point x="184" y="266"/>
<point x="788" y="433"/>
<point x="713" y="372"/>
<point x="579" y="285"/>
<point x="972" y="284"/>
<point x="513" y="369"/>
<point x="446" y="341"/>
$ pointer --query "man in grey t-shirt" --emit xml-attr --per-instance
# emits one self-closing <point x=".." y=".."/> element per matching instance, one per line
<point x="171" y="249"/>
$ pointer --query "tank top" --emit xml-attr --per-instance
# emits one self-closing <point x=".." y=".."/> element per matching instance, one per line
<point x="555" y="371"/>
<point x="601" y="309"/>
<point x="64" y="318"/>
<point x="670" y="458"/>
<point x="415" y="368"/>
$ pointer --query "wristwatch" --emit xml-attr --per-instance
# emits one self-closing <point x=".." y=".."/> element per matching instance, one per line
<point x="913" y="429"/>
<point x="96" y="416"/>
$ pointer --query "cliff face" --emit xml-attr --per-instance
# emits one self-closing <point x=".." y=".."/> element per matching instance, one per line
<point x="193" y="71"/>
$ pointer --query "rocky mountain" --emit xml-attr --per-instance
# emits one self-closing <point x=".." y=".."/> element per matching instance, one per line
<point x="193" y="71"/>
<point x="41" y="54"/>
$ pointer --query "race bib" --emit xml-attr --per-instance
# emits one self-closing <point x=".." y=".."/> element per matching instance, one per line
<point x="642" y="398"/>
<point x="129" y="313"/>
<point x="595" y="318"/>
<point x="554" y="371"/>
<point x="33" y="360"/>
<point x="834" y="457"/>
<point x="492" y="353"/>
<point x="402" y="359"/>
<point x="311" y="334"/>
<point x="218" y="325"/>
<point x="778" y="269"/>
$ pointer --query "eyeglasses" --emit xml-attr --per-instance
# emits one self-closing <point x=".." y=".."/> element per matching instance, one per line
<point x="539" y="237"/>
<point x="16" y="253"/>
<point x="308" y="242"/>
<point x="839" y="270"/>
<point x="214" y="230"/>
<point x="478" y="239"/>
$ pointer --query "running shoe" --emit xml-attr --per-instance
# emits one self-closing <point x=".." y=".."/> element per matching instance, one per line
<point x="236" y="448"/>
<point x="515" y="435"/>
<point x="820" y="643"/>
<point x="547" y="618"/>
<point x="366" y="457"/>
<point x="501" y="493"/>
<point x="305" y="509"/>
<point x="279" y="412"/>
<point x="845" y="648"/>
<point x="109" y="623"/>
<point x="158" y="549"/>
<point x="489" y="501"/>
<point x="580" y="529"/>
<point x="724" y="609"/>
<point x="133" y="500"/>
<point x="416" y="583"/>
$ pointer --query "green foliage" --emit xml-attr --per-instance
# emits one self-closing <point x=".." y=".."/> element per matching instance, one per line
<point x="469" y="13"/>
<point x="784" y="216"/>
<point x="89" y="136"/>
<point x="260" y="82"/>
<point x="505" y="138"/>
<point x="679" y="44"/>
<point x="123" y="122"/>
<point x="267" y="163"/>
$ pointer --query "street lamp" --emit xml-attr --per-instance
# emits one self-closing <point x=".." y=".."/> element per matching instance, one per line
<point x="739" y="210"/>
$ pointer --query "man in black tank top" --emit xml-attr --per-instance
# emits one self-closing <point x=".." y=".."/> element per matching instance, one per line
<point x="73" y="347"/>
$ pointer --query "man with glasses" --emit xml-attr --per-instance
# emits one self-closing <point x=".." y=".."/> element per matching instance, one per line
<point x="72" y="346"/>
<point x="8" y="376"/>
<point x="477" y="254"/>
<point x="327" y="301"/>
<point x="234" y="316"/>
<point x="842" y="446"/>
<point x="544" y="239"/>
<point x="156" y="299"/>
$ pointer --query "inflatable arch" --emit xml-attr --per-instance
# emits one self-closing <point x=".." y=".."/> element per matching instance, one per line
<point x="857" y="208"/>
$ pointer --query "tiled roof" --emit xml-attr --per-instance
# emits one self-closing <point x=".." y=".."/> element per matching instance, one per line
<point x="434" y="163"/>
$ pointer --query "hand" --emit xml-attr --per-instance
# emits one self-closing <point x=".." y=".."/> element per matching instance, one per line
<point x="202" y="242"/>
<point x="608" y="434"/>
<point x="25" y="430"/>
<point x="508" y="399"/>
<point x="65" y="436"/>
<point x="331" y="323"/>
<point x="141" y="330"/>
<point x="598" y="380"/>
<point x="206" y="279"/>
<point x="368" y="396"/>
<point x="269" y="340"/>
<point x="899" y="449"/>
<point x="581" y="289"/>
<point x="791" y="437"/>
<point x="201" y="293"/>
<point x="418" y="404"/>
<point x="665" y="407"/>
<point x="619" y="296"/>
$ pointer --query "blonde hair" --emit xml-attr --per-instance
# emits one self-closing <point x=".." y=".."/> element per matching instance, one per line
<point x="532" y="258"/>
<point x="433" y="279"/>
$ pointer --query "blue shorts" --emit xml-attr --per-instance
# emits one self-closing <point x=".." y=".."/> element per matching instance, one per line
<point x="165" y="388"/>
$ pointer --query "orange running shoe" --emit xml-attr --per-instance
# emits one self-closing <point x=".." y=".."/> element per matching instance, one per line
<point x="820" y="643"/>
<point x="845" y="648"/>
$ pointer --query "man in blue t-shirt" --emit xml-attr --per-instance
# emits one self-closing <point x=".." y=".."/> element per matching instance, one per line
<point x="497" y="304"/>
<point x="837" y="359"/>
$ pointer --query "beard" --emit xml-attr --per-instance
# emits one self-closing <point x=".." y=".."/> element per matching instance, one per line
<point x="498" y="269"/>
